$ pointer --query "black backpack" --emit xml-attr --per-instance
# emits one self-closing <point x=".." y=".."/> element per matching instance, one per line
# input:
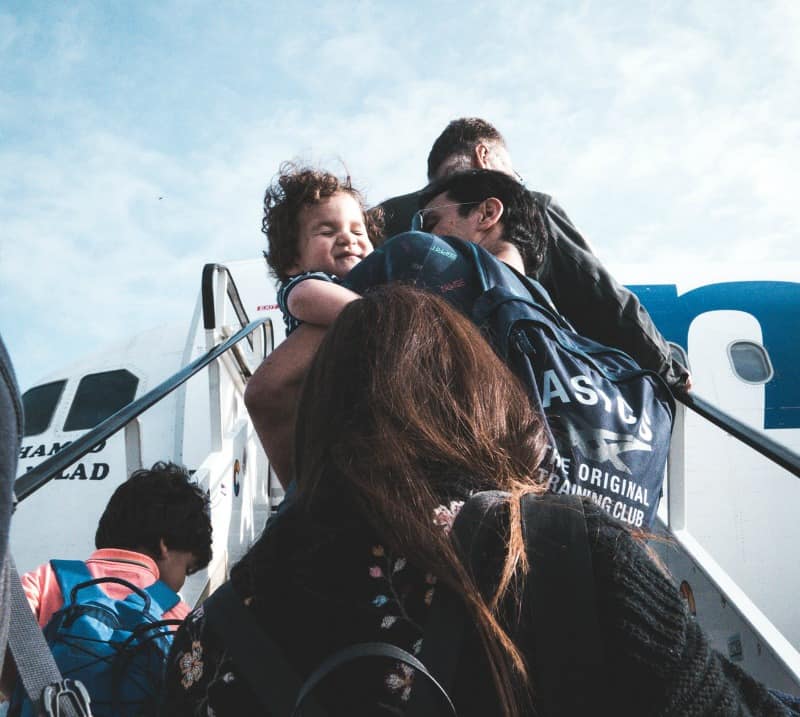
<point x="568" y="654"/>
<point x="610" y="420"/>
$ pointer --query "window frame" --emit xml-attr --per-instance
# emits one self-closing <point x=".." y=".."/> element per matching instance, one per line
<point x="764" y="354"/>
<point x="53" y="412"/>
<point x="77" y="395"/>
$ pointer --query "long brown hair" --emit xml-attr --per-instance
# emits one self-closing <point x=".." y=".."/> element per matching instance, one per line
<point x="404" y="400"/>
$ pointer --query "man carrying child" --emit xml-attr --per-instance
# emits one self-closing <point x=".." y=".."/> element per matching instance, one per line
<point x="485" y="206"/>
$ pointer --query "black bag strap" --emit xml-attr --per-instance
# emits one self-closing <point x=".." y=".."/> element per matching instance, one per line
<point x="11" y="430"/>
<point x="447" y="619"/>
<point x="569" y="651"/>
<point x="256" y="654"/>
<point x="267" y="671"/>
<point x="371" y="649"/>
<point x="19" y="630"/>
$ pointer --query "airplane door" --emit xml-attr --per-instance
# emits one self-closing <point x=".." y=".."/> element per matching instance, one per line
<point x="740" y="506"/>
<point x="710" y="336"/>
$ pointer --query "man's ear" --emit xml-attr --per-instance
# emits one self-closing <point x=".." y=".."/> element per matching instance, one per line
<point x="162" y="549"/>
<point x="490" y="213"/>
<point x="481" y="155"/>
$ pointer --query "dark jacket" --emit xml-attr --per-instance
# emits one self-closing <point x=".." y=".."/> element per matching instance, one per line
<point x="320" y="583"/>
<point x="582" y="289"/>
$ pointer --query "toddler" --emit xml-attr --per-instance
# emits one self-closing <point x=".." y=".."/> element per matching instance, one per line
<point x="317" y="230"/>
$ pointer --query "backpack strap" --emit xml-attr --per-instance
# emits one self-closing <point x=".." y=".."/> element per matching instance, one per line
<point x="256" y="654"/>
<point x="444" y="629"/>
<point x="70" y="574"/>
<point x="163" y="598"/>
<point x="447" y="619"/>
<point x="493" y="273"/>
<point x="569" y="651"/>
<point x="374" y="649"/>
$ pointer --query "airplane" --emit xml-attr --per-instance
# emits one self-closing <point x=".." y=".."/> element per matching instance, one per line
<point x="727" y="513"/>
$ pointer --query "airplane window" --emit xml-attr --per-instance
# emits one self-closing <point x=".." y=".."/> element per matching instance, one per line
<point x="39" y="404"/>
<point x="100" y="395"/>
<point x="750" y="362"/>
<point x="678" y="353"/>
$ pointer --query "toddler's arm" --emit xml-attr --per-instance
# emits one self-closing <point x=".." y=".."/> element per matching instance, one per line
<point x="318" y="302"/>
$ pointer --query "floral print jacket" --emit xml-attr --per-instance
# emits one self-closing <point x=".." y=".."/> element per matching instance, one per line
<point x="329" y="592"/>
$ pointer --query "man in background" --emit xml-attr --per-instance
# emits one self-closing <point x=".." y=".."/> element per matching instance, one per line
<point x="581" y="287"/>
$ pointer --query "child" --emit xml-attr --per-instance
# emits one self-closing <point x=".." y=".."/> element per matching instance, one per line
<point x="155" y="530"/>
<point x="156" y="526"/>
<point x="317" y="230"/>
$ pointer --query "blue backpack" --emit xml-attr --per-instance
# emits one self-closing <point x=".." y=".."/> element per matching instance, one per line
<point x="609" y="420"/>
<point x="116" y="648"/>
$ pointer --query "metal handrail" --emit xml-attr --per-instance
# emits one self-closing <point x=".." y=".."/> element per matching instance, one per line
<point x="35" y="478"/>
<point x="207" y="294"/>
<point x="766" y="446"/>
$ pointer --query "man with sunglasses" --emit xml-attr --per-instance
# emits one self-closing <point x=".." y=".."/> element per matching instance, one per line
<point x="493" y="209"/>
<point x="563" y="262"/>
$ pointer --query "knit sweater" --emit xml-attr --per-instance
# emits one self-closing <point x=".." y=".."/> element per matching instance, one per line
<point x="333" y="585"/>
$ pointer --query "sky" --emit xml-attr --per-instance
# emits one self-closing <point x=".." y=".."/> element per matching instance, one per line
<point x="137" y="138"/>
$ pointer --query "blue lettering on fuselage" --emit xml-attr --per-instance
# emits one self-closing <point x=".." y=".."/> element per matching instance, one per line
<point x="774" y="304"/>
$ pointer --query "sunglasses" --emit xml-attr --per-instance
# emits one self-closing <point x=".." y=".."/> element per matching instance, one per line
<point x="421" y="221"/>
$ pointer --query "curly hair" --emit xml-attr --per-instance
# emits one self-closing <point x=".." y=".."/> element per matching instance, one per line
<point x="154" y="505"/>
<point x="295" y="187"/>
<point x="523" y="223"/>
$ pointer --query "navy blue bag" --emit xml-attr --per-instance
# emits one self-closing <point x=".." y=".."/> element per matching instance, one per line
<point x="610" y="420"/>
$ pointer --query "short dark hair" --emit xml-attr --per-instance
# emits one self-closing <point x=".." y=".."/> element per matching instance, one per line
<point x="296" y="187"/>
<point x="460" y="137"/>
<point x="160" y="503"/>
<point x="523" y="223"/>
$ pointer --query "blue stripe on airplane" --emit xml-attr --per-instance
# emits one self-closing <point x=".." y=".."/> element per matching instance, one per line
<point x="774" y="304"/>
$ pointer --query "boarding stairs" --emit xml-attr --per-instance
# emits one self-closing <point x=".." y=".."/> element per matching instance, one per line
<point x="244" y="492"/>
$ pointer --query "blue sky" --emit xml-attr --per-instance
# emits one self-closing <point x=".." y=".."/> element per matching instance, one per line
<point x="670" y="132"/>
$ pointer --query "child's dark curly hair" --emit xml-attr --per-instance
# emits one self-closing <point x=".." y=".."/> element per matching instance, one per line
<point x="297" y="186"/>
<point x="162" y="503"/>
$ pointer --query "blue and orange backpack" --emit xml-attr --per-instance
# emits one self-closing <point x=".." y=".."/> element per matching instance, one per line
<point x="116" y="648"/>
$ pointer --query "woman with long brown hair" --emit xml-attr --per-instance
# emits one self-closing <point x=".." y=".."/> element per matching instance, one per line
<point x="405" y="413"/>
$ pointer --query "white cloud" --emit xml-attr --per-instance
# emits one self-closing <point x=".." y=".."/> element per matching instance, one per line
<point x="667" y="134"/>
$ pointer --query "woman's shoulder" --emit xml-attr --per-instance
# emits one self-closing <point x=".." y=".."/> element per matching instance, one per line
<point x="624" y="561"/>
